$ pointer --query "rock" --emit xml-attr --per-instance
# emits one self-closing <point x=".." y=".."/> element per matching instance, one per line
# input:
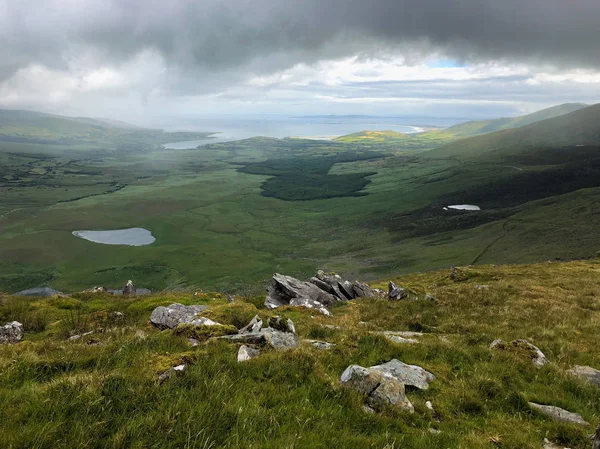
<point x="95" y="289"/>
<point x="334" y="284"/>
<point x="482" y="287"/>
<point x="537" y="357"/>
<point x="280" y="340"/>
<point x="550" y="445"/>
<point x="169" y="317"/>
<point x="246" y="353"/>
<point x="255" y="325"/>
<point x="362" y="290"/>
<point x="596" y="439"/>
<point x="310" y="304"/>
<point x="139" y="291"/>
<point x="286" y="287"/>
<point x="193" y="342"/>
<point x="231" y="299"/>
<point x="380" y="389"/>
<point x="277" y="323"/>
<point x="430" y="297"/>
<point x="129" y="288"/>
<point x="38" y="291"/>
<point x="585" y="373"/>
<point x="434" y="431"/>
<point x="396" y="293"/>
<point x="248" y="338"/>
<point x="11" y="333"/>
<point x="558" y="414"/>
<point x="323" y="345"/>
<point x="434" y="414"/>
<point x="172" y="372"/>
<point x="399" y="339"/>
<point x="77" y="337"/>
<point x="411" y="375"/>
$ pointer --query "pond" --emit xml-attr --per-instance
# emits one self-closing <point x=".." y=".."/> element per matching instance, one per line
<point x="130" y="237"/>
<point x="463" y="207"/>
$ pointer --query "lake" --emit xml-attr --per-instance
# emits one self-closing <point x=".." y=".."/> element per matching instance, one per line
<point x="130" y="237"/>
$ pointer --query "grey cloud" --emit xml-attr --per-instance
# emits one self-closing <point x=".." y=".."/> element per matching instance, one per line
<point x="261" y="36"/>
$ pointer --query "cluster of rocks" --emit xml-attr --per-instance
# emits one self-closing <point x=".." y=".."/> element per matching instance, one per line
<point x="129" y="290"/>
<point x="325" y="289"/>
<point x="384" y="385"/>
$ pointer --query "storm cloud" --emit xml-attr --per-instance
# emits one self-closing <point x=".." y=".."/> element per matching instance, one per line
<point x="186" y="47"/>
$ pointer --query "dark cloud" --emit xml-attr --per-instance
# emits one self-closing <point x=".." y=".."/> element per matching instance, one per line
<point x="262" y="36"/>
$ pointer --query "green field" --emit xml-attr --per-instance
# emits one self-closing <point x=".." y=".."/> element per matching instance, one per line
<point x="228" y="215"/>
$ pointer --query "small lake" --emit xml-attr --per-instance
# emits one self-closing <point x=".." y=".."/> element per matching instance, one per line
<point x="463" y="207"/>
<point x="130" y="237"/>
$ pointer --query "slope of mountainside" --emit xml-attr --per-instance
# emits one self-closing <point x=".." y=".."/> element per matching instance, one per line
<point x="486" y="126"/>
<point x="91" y="365"/>
<point x="574" y="130"/>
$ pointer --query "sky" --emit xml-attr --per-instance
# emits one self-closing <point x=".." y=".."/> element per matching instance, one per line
<point x="145" y="60"/>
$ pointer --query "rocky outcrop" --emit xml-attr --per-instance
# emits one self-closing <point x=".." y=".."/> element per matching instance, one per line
<point x="411" y="375"/>
<point x="585" y="373"/>
<point x="558" y="414"/>
<point x="171" y="316"/>
<point x="322" y="291"/>
<point x="129" y="288"/>
<point x="282" y="337"/>
<point x="246" y="353"/>
<point x="254" y="325"/>
<point x="11" y="333"/>
<point x="537" y="356"/>
<point x="380" y="389"/>
<point x="396" y="293"/>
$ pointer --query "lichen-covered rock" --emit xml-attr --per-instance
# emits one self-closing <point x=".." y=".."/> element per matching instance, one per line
<point x="585" y="373"/>
<point x="380" y="389"/>
<point x="280" y="340"/>
<point x="411" y="375"/>
<point x="11" y="333"/>
<point x="279" y="324"/>
<point x="308" y="303"/>
<point x="286" y="288"/>
<point x="246" y="353"/>
<point x="558" y="414"/>
<point x="171" y="316"/>
<point x="537" y="356"/>
<point x="172" y="372"/>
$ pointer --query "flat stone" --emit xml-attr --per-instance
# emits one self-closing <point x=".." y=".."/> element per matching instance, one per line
<point x="171" y="316"/>
<point x="246" y="353"/>
<point x="323" y="345"/>
<point x="401" y="340"/>
<point x="11" y="333"/>
<point x="585" y="373"/>
<point x="411" y="375"/>
<point x="559" y="414"/>
<point x="380" y="389"/>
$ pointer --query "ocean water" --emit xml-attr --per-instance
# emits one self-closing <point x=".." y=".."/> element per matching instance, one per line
<point x="232" y="128"/>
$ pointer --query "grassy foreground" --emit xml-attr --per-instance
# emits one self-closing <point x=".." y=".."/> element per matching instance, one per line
<point x="102" y="392"/>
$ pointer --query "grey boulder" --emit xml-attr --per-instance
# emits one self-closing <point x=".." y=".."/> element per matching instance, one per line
<point x="411" y="375"/>
<point x="308" y="303"/>
<point x="246" y="353"/>
<point x="558" y="414"/>
<point x="396" y="293"/>
<point x="38" y="291"/>
<point x="129" y="288"/>
<point x="585" y="373"/>
<point x="380" y="389"/>
<point x="171" y="316"/>
<point x="537" y="356"/>
<point x="287" y="288"/>
<point x="11" y="333"/>
<point x="322" y="345"/>
<point x="254" y="325"/>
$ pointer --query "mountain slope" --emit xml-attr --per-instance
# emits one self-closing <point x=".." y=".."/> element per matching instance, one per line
<point x="578" y="129"/>
<point x="486" y="126"/>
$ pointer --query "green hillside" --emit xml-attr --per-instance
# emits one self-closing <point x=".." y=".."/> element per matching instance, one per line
<point x="102" y="390"/>
<point x="487" y="126"/>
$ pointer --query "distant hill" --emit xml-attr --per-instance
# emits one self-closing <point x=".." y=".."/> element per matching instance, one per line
<point x="575" y="130"/>
<point x="486" y="126"/>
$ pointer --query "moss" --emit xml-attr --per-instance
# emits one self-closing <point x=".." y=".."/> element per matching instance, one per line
<point x="203" y="333"/>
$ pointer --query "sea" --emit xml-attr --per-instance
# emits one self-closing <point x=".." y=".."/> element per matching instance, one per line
<point x="230" y="128"/>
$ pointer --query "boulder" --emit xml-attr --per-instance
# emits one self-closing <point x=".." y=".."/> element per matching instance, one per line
<point x="129" y="288"/>
<point x="280" y="340"/>
<point x="95" y="289"/>
<point x="411" y="375"/>
<point x="279" y="324"/>
<point x="381" y="389"/>
<point x="172" y="372"/>
<point x="362" y="290"/>
<point x="585" y="373"/>
<point x="286" y="288"/>
<point x="396" y="293"/>
<point x="537" y="356"/>
<point x="248" y="338"/>
<point x="558" y="414"/>
<point x="38" y="291"/>
<point x="11" y="333"/>
<point x="171" y="316"/>
<point x="430" y="297"/>
<point x="246" y="353"/>
<point x="399" y="339"/>
<point x="310" y="304"/>
<point x="255" y="325"/>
